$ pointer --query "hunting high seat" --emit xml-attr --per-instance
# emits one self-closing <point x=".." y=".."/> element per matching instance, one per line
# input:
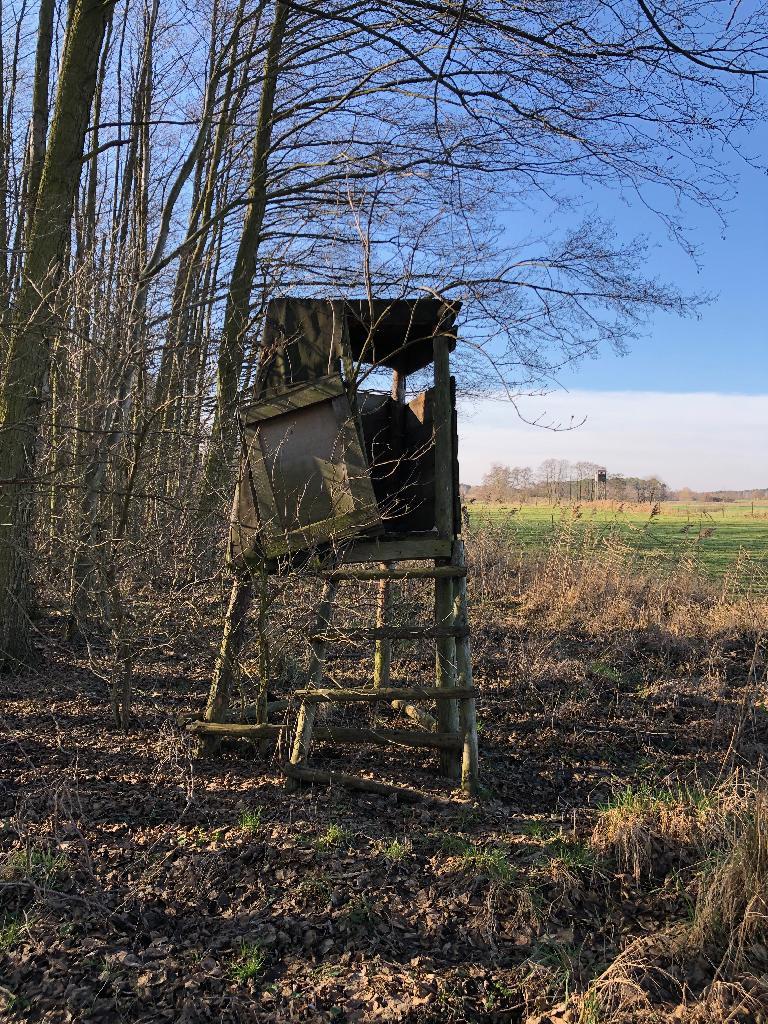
<point x="332" y="477"/>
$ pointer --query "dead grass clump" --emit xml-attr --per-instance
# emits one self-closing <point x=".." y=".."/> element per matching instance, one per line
<point x="714" y="969"/>
<point x="732" y="905"/>
<point x="642" y="984"/>
<point x="646" y="830"/>
<point x="593" y="577"/>
<point x="730" y="1002"/>
<point x="661" y="978"/>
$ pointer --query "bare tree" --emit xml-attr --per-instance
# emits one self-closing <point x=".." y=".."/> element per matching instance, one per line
<point x="34" y="316"/>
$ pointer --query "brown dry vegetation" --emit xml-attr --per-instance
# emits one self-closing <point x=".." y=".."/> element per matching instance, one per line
<point x="616" y="869"/>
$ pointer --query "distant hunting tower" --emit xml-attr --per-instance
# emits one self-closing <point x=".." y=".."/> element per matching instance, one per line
<point x="333" y="476"/>
<point x="601" y="485"/>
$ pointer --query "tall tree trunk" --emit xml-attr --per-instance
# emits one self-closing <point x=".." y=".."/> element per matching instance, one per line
<point x="33" y="323"/>
<point x="38" y="128"/>
<point x="236" y="314"/>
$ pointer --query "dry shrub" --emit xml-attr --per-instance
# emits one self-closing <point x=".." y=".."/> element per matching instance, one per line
<point x="663" y="977"/>
<point x="567" y="882"/>
<point x="732" y="905"/>
<point x="730" y="1002"/>
<point x="600" y="582"/>
<point x="640" y="984"/>
<point x="715" y="969"/>
<point x="496" y="562"/>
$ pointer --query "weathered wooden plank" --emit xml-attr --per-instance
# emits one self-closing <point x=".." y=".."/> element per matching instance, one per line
<point x="390" y="693"/>
<point x="403" y="550"/>
<point x="237" y="715"/>
<point x="415" y="713"/>
<point x="298" y="397"/>
<point x="390" y="633"/>
<point x="425" y="572"/>
<point x="234" y="729"/>
<point x="387" y="737"/>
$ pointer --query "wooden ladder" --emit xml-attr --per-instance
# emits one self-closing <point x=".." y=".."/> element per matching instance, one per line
<point x="456" y="733"/>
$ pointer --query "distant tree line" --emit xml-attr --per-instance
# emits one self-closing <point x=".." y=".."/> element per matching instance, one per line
<point x="561" y="480"/>
<point x="745" y="494"/>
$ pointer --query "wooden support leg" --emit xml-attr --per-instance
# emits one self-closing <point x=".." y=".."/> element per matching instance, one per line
<point x="446" y="485"/>
<point x="265" y="660"/>
<point x="229" y="653"/>
<point x="382" y="660"/>
<point x="303" y="738"/>
<point x="445" y="674"/>
<point x="470" y="758"/>
<point x="468" y="719"/>
<point x="324" y="612"/>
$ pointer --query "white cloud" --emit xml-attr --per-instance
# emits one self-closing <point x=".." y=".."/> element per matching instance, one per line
<point x="700" y="440"/>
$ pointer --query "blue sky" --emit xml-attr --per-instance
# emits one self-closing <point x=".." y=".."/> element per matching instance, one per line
<point x="726" y="348"/>
<point x="677" y="404"/>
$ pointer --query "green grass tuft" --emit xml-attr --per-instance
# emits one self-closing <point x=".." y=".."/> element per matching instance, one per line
<point x="251" y="962"/>
<point x="574" y="854"/>
<point x="397" y="850"/>
<point x="591" y="1010"/>
<point x="645" y="797"/>
<point x="334" y="835"/>
<point x="40" y="866"/>
<point x="490" y="861"/>
<point x="250" y="821"/>
<point x="318" y="886"/>
<point x="10" y="932"/>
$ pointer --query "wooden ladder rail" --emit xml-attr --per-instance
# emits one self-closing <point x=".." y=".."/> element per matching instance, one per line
<point x="306" y="720"/>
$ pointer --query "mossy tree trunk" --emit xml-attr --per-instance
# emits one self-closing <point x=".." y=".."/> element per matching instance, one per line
<point x="33" y="321"/>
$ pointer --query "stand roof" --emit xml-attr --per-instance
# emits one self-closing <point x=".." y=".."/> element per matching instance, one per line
<point x="303" y="337"/>
<point x="398" y="334"/>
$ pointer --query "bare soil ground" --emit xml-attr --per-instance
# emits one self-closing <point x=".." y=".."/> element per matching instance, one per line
<point x="139" y="883"/>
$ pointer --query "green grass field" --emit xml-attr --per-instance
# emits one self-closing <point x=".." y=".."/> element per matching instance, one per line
<point x="718" y="536"/>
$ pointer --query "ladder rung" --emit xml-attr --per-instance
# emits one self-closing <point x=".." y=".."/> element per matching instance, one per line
<point x="234" y="729"/>
<point x="436" y="572"/>
<point x="384" y="737"/>
<point x="389" y="693"/>
<point x="391" y="633"/>
<point x="337" y="734"/>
